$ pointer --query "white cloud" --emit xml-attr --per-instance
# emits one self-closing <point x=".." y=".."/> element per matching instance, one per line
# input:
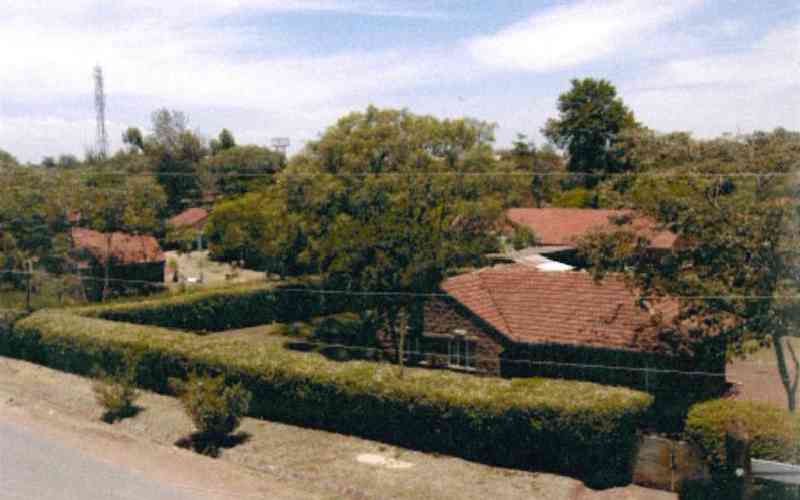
<point x="742" y="91"/>
<point x="189" y="67"/>
<point x="772" y="63"/>
<point x="567" y="36"/>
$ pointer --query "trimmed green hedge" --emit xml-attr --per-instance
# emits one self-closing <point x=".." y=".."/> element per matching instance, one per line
<point x="577" y="428"/>
<point x="775" y="432"/>
<point x="8" y="317"/>
<point x="225" y="308"/>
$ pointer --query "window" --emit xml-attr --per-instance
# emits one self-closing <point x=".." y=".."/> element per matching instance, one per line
<point x="411" y="348"/>
<point x="461" y="351"/>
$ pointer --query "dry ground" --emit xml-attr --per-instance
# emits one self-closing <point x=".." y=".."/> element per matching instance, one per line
<point x="214" y="273"/>
<point x="757" y="377"/>
<point x="325" y="464"/>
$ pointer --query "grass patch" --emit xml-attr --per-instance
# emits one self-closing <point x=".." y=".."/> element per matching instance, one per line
<point x="578" y="428"/>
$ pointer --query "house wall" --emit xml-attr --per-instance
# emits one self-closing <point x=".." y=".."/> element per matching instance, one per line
<point x="442" y="319"/>
<point x="496" y="355"/>
<point x="127" y="279"/>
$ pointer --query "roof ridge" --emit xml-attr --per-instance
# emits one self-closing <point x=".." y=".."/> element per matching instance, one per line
<point x="494" y="302"/>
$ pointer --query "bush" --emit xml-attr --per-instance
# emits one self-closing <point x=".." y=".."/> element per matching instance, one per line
<point x="8" y="317"/>
<point x="579" y="428"/>
<point x="522" y="237"/>
<point x="775" y="432"/>
<point x="576" y="198"/>
<point x="116" y="393"/>
<point x="215" y="408"/>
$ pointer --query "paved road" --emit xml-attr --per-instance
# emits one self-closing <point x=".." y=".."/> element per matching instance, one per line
<point x="35" y="468"/>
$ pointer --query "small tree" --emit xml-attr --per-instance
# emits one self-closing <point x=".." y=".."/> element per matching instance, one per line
<point x="216" y="408"/>
<point x="116" y="392"/>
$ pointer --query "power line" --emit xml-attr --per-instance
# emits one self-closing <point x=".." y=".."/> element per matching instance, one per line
<point x="388" y="293"/>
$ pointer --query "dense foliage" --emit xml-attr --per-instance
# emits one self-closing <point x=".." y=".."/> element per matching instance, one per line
<point x="227" y="308"/>
<point x="775" y="433"/>
<point x="591" y="117"/>
<point x="733" y="206"/>
<point x="509" y="422"/>
<point x="216" y="408"/>
<point x="384" y="201"/>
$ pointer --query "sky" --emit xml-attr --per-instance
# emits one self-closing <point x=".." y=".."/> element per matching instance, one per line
<point x="290" y="68"/>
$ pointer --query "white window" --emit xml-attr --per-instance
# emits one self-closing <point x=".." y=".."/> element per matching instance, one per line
<point x="461" y="351"/>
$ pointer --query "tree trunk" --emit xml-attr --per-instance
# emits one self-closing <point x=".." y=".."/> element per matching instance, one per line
<point x="391" y="325"/>
<point x="783" y="369"/>
<point x="28" y="286"/>
<point x="107" y="278"/>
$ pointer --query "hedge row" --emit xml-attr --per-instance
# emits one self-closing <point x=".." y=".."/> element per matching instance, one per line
<point x="775" y="432"/>
<point x="226" y="308"/>
<point x="577" y="428"/>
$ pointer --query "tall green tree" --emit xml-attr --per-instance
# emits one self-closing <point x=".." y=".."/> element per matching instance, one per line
<point x="175" y="153"/>
<point x="238" y="169"/>
<point x="736" y="268"/>
<point x="591" y="117"/>
<point x="384" y="205"/>
<point x="223" y="142"/>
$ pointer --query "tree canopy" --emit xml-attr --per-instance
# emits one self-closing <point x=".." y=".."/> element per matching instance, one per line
<point x="731" y="205"/>
<point x="591" y="117"/>
<point x="382" y="202"/>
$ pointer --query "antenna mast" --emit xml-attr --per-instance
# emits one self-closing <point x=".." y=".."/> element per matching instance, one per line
<point x="280" y="144"/>
<point x="100" y="110"/>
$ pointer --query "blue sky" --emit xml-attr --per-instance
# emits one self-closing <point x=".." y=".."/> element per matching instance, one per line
<point x="266" y="68"/>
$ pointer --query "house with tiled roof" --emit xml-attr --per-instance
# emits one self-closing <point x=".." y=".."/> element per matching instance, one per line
<point x="520" y="320"/>
<point x="136" y="261"/>
<point x="558" y="230"/>
<point x="188" y="227"/>
<point x="191" y="217"/>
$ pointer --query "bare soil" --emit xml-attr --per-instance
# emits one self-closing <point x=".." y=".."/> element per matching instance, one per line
<point x="322" y="464"/>
<point x="193" y="264"/>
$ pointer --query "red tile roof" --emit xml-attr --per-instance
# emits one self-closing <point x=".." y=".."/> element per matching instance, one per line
<point x="564" y="226"/>
<point x="531" y="306"/>
<point x="125" y="248"/>
<point x="189" y="217"/>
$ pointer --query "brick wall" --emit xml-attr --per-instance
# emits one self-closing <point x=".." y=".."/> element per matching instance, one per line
<point x="442" y="319"/>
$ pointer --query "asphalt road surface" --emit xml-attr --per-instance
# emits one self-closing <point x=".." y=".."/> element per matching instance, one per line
<point x="35" y="468"/>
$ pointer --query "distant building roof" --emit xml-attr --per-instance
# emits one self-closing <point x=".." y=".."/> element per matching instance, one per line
<point x="531" y="306"/>
<point x="189" y="217"/>
<point x="564" y="226"/>
<point x="125" y="248"/>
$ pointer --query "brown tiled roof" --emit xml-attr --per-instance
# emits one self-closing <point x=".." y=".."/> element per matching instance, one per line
<point x="189" y="217"/>
<point x="531" y="306"/>
<point x="564" y="226"/>
<point x="125" y="248"/>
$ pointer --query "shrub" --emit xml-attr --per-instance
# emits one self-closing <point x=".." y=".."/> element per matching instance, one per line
<point x="215" y="408"/>
<point x="117" y="393"/>
<point x="522" y="237"/>
<point x="775" y="432"/>
<point x="580" y="428"/>
<point x="576" y="198"/>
